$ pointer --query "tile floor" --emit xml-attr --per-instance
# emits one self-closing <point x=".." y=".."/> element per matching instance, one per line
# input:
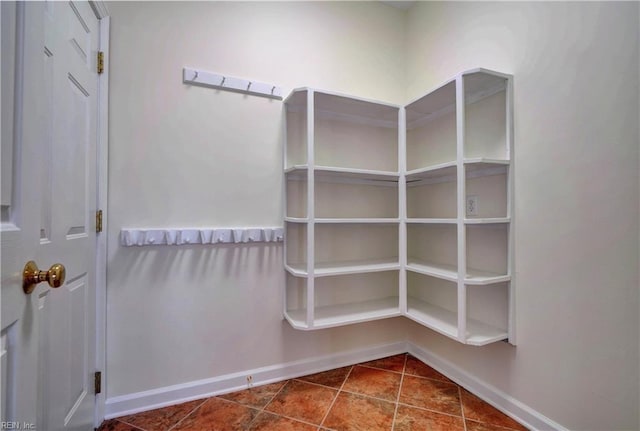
<point x="397" y="393"/>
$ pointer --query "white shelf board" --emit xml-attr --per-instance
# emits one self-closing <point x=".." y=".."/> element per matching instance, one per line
<point x="323" y="269"/>
<point x="446" y="172"/>
<point x="322" y="172"/>
<point x="479" y="84"/>
<point x="326" y="269"/>
<point x="296" y="219"/>
<point x="438" y="270"/>
<point x="434" y="171"/>
<point x="432" y="220"/>
<point x="487" y="220"/>
<point x="346" y="314"/>
<point x="480" y="278"/>
<point x="296" y="269"/>
<point x="297" y="318"/>
<point x="431" y="316"/>
<point x="341" y="107"/>
<point x="432" y="104"/>
<point x="445" y="322"/>
<point x="355" y="106"/>
<point x="482" y="82"/>
<point x="471" y="161"/>
<point x="357" y="220"/>
<point x="478" y="167"/>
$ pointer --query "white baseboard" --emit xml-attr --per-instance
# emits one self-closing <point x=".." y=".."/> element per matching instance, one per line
<point x="492" y="395"/>
<point x="170" y="395"/>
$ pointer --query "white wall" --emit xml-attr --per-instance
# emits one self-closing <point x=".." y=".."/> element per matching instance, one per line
<point x="188" y="156"/>
<point x="576" y="156"/>
<point x="182" y="156"/>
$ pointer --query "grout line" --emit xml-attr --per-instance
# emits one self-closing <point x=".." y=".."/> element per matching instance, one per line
<point x="261" y="410"/>
<point x="430" y="410"/>
<point x="204" y="400"/>
<point x="360" y="394"/>
<point x="450" y="382"/>
<point x="395" y="412"/>
<point x="382" y="369"/>
<point x="131" y="425"/>
<point x="336" y="397"/>
<point x="287" y="417"/>
<point x="319" y="384"/>
<point x="464" y="419"/>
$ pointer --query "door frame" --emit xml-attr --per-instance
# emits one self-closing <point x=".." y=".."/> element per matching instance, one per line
<point x="102" y="13"/>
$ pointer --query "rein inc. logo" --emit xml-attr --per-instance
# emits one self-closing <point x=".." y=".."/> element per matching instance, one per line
<point x="17" y="426"/>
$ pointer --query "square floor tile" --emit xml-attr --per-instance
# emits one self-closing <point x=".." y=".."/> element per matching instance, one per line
<point x="218" y="415"/>
<point x="269" y="422"/>
<point x="304" y="401"/>
<point x="418" y="368"/>
<point x="477" y="410"/>
<point x="161" y="419"/>
<point x="431" y="394"/>
<point x="415" y="419"/>
<point x="391" y="363"/>
<point x="332" y="378"/>
<point x="373" y="382"/>
<point x="352" y="412"/>
<point x="257" y="397"/>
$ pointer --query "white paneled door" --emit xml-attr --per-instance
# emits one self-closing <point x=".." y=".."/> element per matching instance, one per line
<point x="49" y="117"/>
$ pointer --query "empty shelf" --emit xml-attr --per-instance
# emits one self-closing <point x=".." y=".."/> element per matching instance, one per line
<point x="446" y="323"/>
<point x="358" y="220"/>
<point x="478" y="277"/>
<point x="436" y="318"/>
<point x="325" y="269"/>
<point x="438" y="270"/>
<point x="300" y="171"/>
<point x="489" y="220"/>
<point x="432" y="220"/>
<point x="344" y="314"/>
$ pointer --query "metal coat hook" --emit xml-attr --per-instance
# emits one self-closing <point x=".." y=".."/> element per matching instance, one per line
<point x="249" y="86"/>
<point x="224" y="78"/>
<point x="273" y="89"/>
<point x="195" y="76"/>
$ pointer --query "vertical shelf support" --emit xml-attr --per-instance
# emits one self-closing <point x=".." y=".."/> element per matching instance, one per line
<point x="310" y="209"/>
<point x="510" y="208"/>
<point x="284" y="201"/>
<point x="402" y="209"/>
<point x="461" y="204"/>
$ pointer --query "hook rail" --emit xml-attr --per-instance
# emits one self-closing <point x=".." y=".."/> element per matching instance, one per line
<point x="169" y="236"/>
<point x="223" y="82"/>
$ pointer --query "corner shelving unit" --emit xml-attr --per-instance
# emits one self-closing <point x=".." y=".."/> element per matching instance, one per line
<point x="459" y="147"/>
<point x="403" y="211"/>
<point x="342" y="216"/>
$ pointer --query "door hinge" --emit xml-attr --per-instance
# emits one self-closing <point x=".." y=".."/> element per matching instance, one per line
<point x="100" y="62"/>
<point x="98" y="221"/>
<point x="97" y="382"/>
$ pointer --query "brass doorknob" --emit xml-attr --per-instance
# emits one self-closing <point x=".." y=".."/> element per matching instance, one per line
<point x="31" y="276"/>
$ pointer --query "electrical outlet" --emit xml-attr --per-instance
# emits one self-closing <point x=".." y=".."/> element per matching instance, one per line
<point x="472" y="205"/>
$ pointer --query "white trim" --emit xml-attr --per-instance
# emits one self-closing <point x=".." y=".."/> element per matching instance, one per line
<point x="101" y="203"/>
<point x="99" y="8"/>
<point x="170" y="395"/>
<point x="502" y="401"/>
